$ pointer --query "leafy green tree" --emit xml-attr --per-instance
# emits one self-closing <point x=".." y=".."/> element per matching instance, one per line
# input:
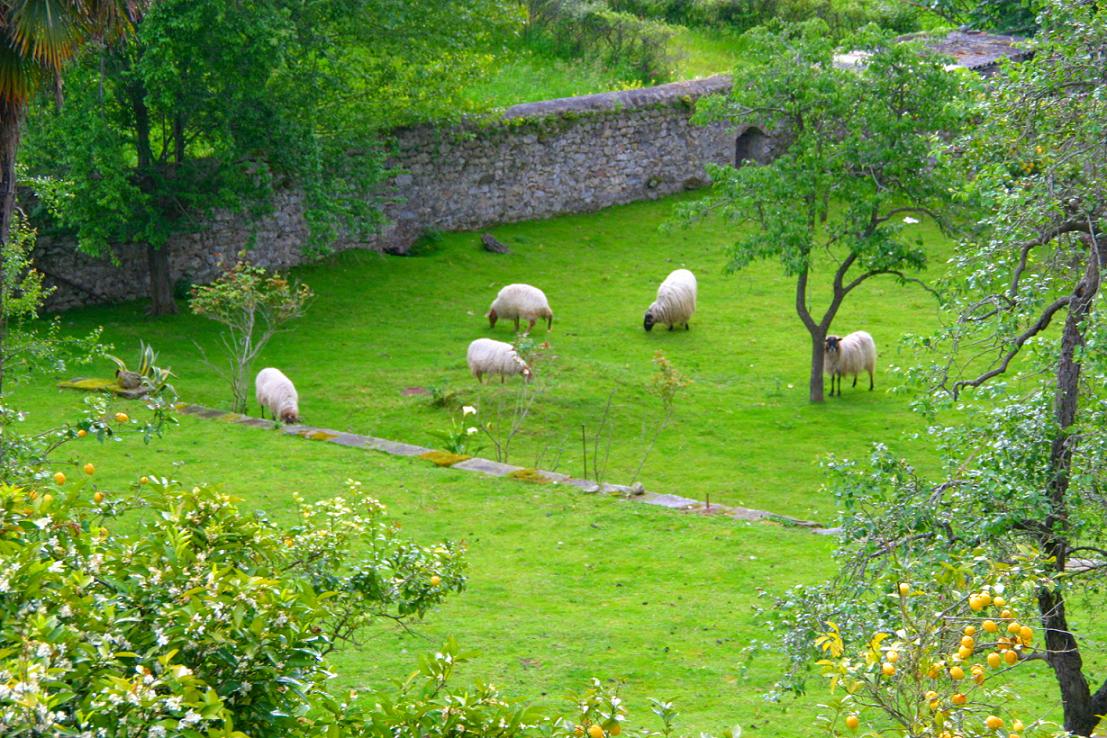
<point x="216" y="105"/>
<point x="1025" y="471"/>
<point x="859" y="162"/>
<point x="38" y="37"/>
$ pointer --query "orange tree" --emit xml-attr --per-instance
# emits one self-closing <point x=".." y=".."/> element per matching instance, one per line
<point x="1025" y="467"/>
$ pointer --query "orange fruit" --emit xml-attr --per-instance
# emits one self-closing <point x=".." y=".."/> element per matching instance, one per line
<point x="1013" y="627"/>
<point x="1011" y="657"/>
<point x="89" y="468"/>
<point x="892" y="656"/>
<point x="616" y="729"/>
<point x="1017" y="726"/>
<point x="436" y="580"/>
<point x="1006" y="615"/>
<point x="579" y="730"/>
<point x="888" y="669"/>
<point x="993" y="722"/>
<point x="59" y="478"/>
<point x="999" y="601"/>
<point x="964" y="652"/>
<point x="1026" y="633"/>
<point x="990" y="626"/>
<point x="959" y="699"/>
<point x="986" y="599"/>
<point x="904" y="588"/>
<point x="931" y="695"/>
<point x="144" y="480"/>
<point x="121" y="417"/>
<point x="970" y="630"/>
<point x="968" y="641"/>
<point x="976" y="602"/>
<point x="595" y="731"/>
<point x="956" y="673"/>
<point x="994" y="660"/>
<point x="47" y="498"/>
<point x="852" y="722"/>
<point x="82" y="433"/>
<point x="98" y="497"/>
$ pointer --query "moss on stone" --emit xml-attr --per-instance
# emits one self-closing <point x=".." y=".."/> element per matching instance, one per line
<point x="318" y="435"/>
<point x="529" y="475"/>
<point x="444" y="458"/>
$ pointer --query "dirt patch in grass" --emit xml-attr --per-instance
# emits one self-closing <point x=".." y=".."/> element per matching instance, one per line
<point x="444" y="458"/>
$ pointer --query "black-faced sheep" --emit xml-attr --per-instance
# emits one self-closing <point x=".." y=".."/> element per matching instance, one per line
<point x="275" y="391"/>
<point x="517" y="301"/>
<point x="853" y="354"/>
<point x="675" y="303"/>
<point x="486" y="356"/>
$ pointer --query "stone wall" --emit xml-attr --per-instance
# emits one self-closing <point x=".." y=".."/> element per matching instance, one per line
<point x="538" y="160"/>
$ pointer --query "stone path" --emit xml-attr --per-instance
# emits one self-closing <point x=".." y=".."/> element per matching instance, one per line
<point x="496" y="469"/>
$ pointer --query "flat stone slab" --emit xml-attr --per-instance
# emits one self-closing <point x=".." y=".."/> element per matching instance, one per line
<point x="632" y="493"/>
<point x="485" y="466"/>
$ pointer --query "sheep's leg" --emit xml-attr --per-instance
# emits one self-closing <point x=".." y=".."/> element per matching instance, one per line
<point x="262" y="408"/>
<point x="503" y="378"/>
<point x="855" y="380"/>
<point x="686" y="326"/>
<point x="870" y="381"/>
<point x="671" y="327"/>
<point x="531" y="326"/>
<point x="516" y="325"/>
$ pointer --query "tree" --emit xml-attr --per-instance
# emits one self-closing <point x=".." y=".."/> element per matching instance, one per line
<point x="860" y="160"/>
<point x="38" y="37"/>
<point x="216" y="105"/>
<point x="1026" y="470"/>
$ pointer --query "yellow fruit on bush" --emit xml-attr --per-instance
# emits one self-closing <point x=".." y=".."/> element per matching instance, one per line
<point x="935" y="705"/>
<point x="904" y="588"/>
<point x="968" y="641"/>
<point x="934" y="671"/>
<point x="999" y="601"/>
<point x="959" y="699"/>
<point x="616" y="729"/>
<point x="892" y="656"/>
<point x="1006" y="615"/>
<point x="978" y="677"/>
<point x="976" y="602"/>
<point x="990" y="626"/>
<point x="1013" y="627"/>
<point x="1026" y="633"/>
<point x="1017" y="726"/>
<point x="964" y="653"/>
<point x="994" y="660"/>
<point x="852" y="722"/>
<point x="121" y="417"/>
<point x="993" y="722"/>
<point x="579" y="730"/>
<point x="970" y="630"/>
<point x="595" y="731"/>
<point x="931" y="695"/>
<point x="435" y="580"/>
<point x="82" y="433"/>
<point x="59" y="478"/>
<point x="888" y="669"/>
<point x="956" y="673"/>
<point x="1011" y="657"/>
<point x="986" y="599"/>
<point x="47" y="498"/>
<point x="89" y="469"/>
<point x="98" y="497"/>
<point x="144" y="480"/>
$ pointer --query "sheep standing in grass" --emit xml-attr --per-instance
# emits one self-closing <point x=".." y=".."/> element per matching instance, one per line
<point x="853" y="354"/>
<point x="495" y="357"/>
<point x="520" y="301"/>
<point x="275" y="391"/>
<point x="676" y="301"/>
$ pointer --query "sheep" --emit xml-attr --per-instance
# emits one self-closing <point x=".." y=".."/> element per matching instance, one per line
<point x="275" y="391"/>
<point x="520" y="301"/>
<point x="487" y="356"/>
<point x="853" y="354"/>
<point x="675" y="303"/>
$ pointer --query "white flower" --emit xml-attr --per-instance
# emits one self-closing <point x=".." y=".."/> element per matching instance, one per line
<point x="57" y="567"/>
<point x="190" y="718"/>
<point x="909" y="220"/>
<point x="468" y="410"/>
<point x="470" y="430"/>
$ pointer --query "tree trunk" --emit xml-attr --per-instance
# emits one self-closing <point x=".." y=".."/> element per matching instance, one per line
<point x="818" y="338"/>
<point x="11" y="114"/>
<point x="1062" y="649"/>
<point x="161" y="286"/>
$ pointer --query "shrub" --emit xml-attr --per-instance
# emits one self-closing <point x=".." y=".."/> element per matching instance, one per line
<point x="202" y="620"/>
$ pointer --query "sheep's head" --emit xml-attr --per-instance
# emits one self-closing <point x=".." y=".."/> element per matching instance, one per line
<point x="289" y="415"/>
<point x="648" y="321"/>
<point x="492" y="318"/>
<point x="527" y="374"/>
<point x="548" y="315"/>
<point x="831" y="344"/>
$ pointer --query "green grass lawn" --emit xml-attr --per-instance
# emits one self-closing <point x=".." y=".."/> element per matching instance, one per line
<point x="564" y="586"/>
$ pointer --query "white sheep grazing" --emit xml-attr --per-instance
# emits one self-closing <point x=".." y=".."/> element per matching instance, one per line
<point x="520" y="301"/>
<point x="486" y="356"/>
<point x="275" y="391"/>
<point x="676" y="301"/>
<point x="853" y="354"/>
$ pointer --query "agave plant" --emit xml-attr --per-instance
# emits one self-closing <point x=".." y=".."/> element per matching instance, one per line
<point x="146" y="374"/>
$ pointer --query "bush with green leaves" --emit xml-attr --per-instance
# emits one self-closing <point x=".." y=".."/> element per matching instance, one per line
<point x="841" y="16"/>
<point x="166" y="610"/>
<point x="252" y="303"/>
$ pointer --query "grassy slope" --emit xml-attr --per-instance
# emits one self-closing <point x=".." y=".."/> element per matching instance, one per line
<point x="744" y="431"/>
<point x="564" y="586"/>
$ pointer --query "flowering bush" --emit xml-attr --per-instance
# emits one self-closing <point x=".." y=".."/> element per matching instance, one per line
<point x="459" y="437"/>
<point x="201" y="621"/>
